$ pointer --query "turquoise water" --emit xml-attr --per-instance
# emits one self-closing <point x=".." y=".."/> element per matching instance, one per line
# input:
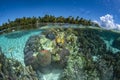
<point x="108" y="37"/>
<point x="13" y="44"/>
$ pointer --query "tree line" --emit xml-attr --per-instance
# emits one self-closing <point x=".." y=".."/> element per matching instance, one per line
<point x="30" y="22"/>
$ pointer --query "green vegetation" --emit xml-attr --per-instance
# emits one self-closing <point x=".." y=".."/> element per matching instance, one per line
<point x="33" y="22"/>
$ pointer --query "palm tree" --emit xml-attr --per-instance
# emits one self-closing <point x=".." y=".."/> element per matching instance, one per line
<point x="29" y="23"/>
<point x="76" y="20"/>
<point x="60" y="19"/>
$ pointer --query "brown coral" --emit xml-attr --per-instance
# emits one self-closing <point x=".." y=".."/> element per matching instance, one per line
<point x="44" y="58"/>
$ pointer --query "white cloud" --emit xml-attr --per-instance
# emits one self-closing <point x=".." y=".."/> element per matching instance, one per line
<point x="95" y="21"/>
<point x="107" y="22"/>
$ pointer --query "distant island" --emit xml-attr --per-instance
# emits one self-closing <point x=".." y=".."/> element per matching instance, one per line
<point x="26" y="23"/>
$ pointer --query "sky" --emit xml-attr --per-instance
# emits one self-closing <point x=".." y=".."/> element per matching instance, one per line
<point x="88" y="9"/>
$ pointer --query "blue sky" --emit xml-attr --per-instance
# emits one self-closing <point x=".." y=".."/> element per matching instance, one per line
<point x="89" y="9"/>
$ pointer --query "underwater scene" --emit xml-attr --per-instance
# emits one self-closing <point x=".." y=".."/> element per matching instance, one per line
<point x="59" y="53"/>
<point x="59" y="39"/>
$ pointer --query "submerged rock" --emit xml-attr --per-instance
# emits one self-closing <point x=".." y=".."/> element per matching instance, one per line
<point x="50" y="35"/>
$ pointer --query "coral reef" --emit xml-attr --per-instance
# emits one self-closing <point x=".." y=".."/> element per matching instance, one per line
<point x="77" y="54"/>
<point x="61" y="57"/>
<point x="50" y="36"/>
<point x="44" y="57"/>
<point x="116" y="43"/>
<point x="13" y="70"/>
<point x="80" y="53"/>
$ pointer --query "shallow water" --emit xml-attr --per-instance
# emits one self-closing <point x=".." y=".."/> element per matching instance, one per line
<point x="109" y="37"/>
<point x="13" y="45"/>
